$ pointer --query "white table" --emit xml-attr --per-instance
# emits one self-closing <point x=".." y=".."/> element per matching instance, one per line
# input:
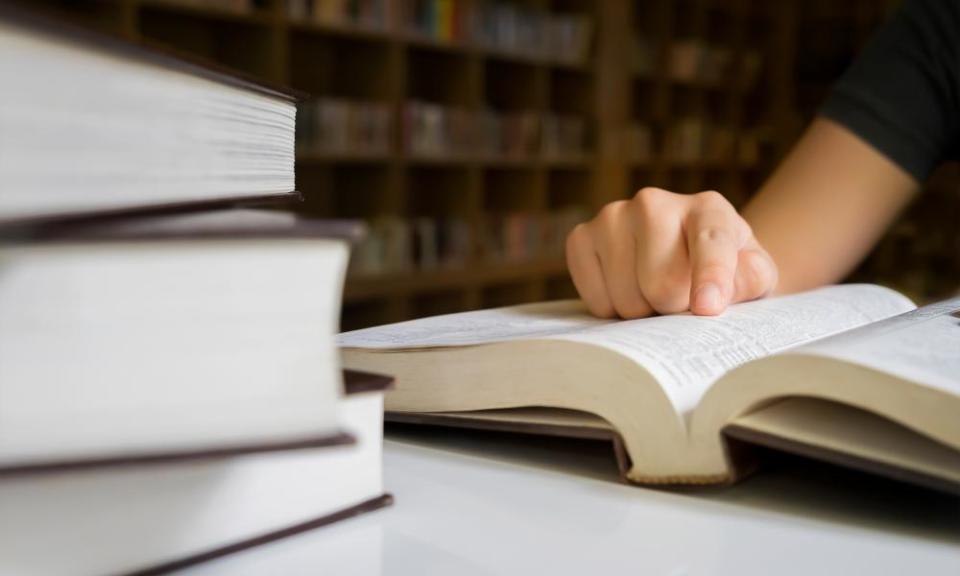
<point x="485" y="504"/>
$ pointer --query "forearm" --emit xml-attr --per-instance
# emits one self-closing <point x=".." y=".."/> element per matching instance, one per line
<point x="826" y="205"/>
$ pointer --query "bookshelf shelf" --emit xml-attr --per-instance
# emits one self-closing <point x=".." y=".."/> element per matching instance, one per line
<point x="385" y="285"/>
<point x="519" y="58"/>
<point x="213" y="12"/>
<point x="356" y="32"/>
<point x="350" y="157"/>
<point x="419" y="42"/>
<point x="569" y="162"/>
<point x="500" y="162"/>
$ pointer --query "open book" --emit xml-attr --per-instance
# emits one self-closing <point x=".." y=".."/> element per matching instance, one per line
<point x="853" y="373"/>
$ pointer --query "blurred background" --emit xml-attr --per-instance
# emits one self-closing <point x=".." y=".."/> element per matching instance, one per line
<point x="471" y="135"/>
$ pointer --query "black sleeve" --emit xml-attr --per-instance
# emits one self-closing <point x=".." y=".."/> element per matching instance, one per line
<point x="901" y="95"/>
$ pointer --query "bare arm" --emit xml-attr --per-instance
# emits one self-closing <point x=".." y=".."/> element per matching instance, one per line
<point x="817" y="216"/>
<point x="826" y="205"/>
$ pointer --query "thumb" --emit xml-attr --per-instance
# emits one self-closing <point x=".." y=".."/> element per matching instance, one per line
<point x="756" y="275"/>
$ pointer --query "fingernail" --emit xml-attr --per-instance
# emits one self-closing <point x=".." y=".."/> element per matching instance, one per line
<point x="708" y="298"/>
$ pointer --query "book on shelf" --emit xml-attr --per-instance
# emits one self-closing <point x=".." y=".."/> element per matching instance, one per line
<point x="527" y="236"/>
<point x="365" y="14"/>
<point x="502" y="27"/>
<point x="852" y="374"/>
<point x="442" y="20"/>
<point x="686" y="58"/>
<point x="637" y="142"/>
<point x="158" y="519"/>
<point x="642" y="56"/>
<point x="339" y="126"/>
<point x="563" y="136"/>
<point x="438" y="131"/>
<point x="399" y="245"/>
<point x="694" y="60"/>
<point x="692" y="140"/>
<point x="532" y="32"/>
<point x="685" y="140"/>
<point x="160" y="132"/>
<point x="114" y="330"/>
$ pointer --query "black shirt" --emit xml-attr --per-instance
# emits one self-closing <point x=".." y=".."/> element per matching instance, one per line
<point x="903" y="94"/>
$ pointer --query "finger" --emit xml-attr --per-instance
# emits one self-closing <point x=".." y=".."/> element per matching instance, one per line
<point x="756" y="275"/>
<point x="585" y="271"/>
<point x="715" y="234"/>
<point x="663" y="267"/>
<point x="616" y="247"/>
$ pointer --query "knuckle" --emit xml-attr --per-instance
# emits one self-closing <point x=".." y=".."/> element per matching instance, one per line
<point x="576" y="240"/>
<point x="667" y="297"/>
<point x="760" y="272"/>
<point x="600" y="309"/>
<point x="711" y="198"/>
<point x="649" y="196"/>
<point x="650" y="205"/>
<point x="607" y="226"/>
<point x="611" y="211"/>
<point x="627" y="299"/>
<point x="577" y="235"/>
<point x="631" y="310"/>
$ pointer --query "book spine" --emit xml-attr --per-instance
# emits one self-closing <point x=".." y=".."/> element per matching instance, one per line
<point x="400" y="245"/>
<point x="436" y="130"/>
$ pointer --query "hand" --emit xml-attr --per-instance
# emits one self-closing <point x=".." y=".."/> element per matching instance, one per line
<point x="665" y="253"/>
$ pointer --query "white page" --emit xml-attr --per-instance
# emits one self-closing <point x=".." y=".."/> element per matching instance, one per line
<point x="684" y="353"/>
<point x="687" y="353"/>
<point x="88" y="128"/>
<point x="480" y="327"/>
<point x="922" y="346"/>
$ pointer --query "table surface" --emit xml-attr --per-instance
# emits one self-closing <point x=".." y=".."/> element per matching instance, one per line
<point x="472" y="503"/>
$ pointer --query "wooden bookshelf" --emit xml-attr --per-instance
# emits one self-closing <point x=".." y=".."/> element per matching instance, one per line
<point x="390" y="65"/>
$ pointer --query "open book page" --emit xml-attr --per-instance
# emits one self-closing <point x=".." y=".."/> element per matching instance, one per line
<point x="523" y="322"/>
<point x="687" y="353"/>
<point x="922" y="346"/>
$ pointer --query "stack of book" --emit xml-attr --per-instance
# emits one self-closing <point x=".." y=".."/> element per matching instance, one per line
<point x="171" y="386"/>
